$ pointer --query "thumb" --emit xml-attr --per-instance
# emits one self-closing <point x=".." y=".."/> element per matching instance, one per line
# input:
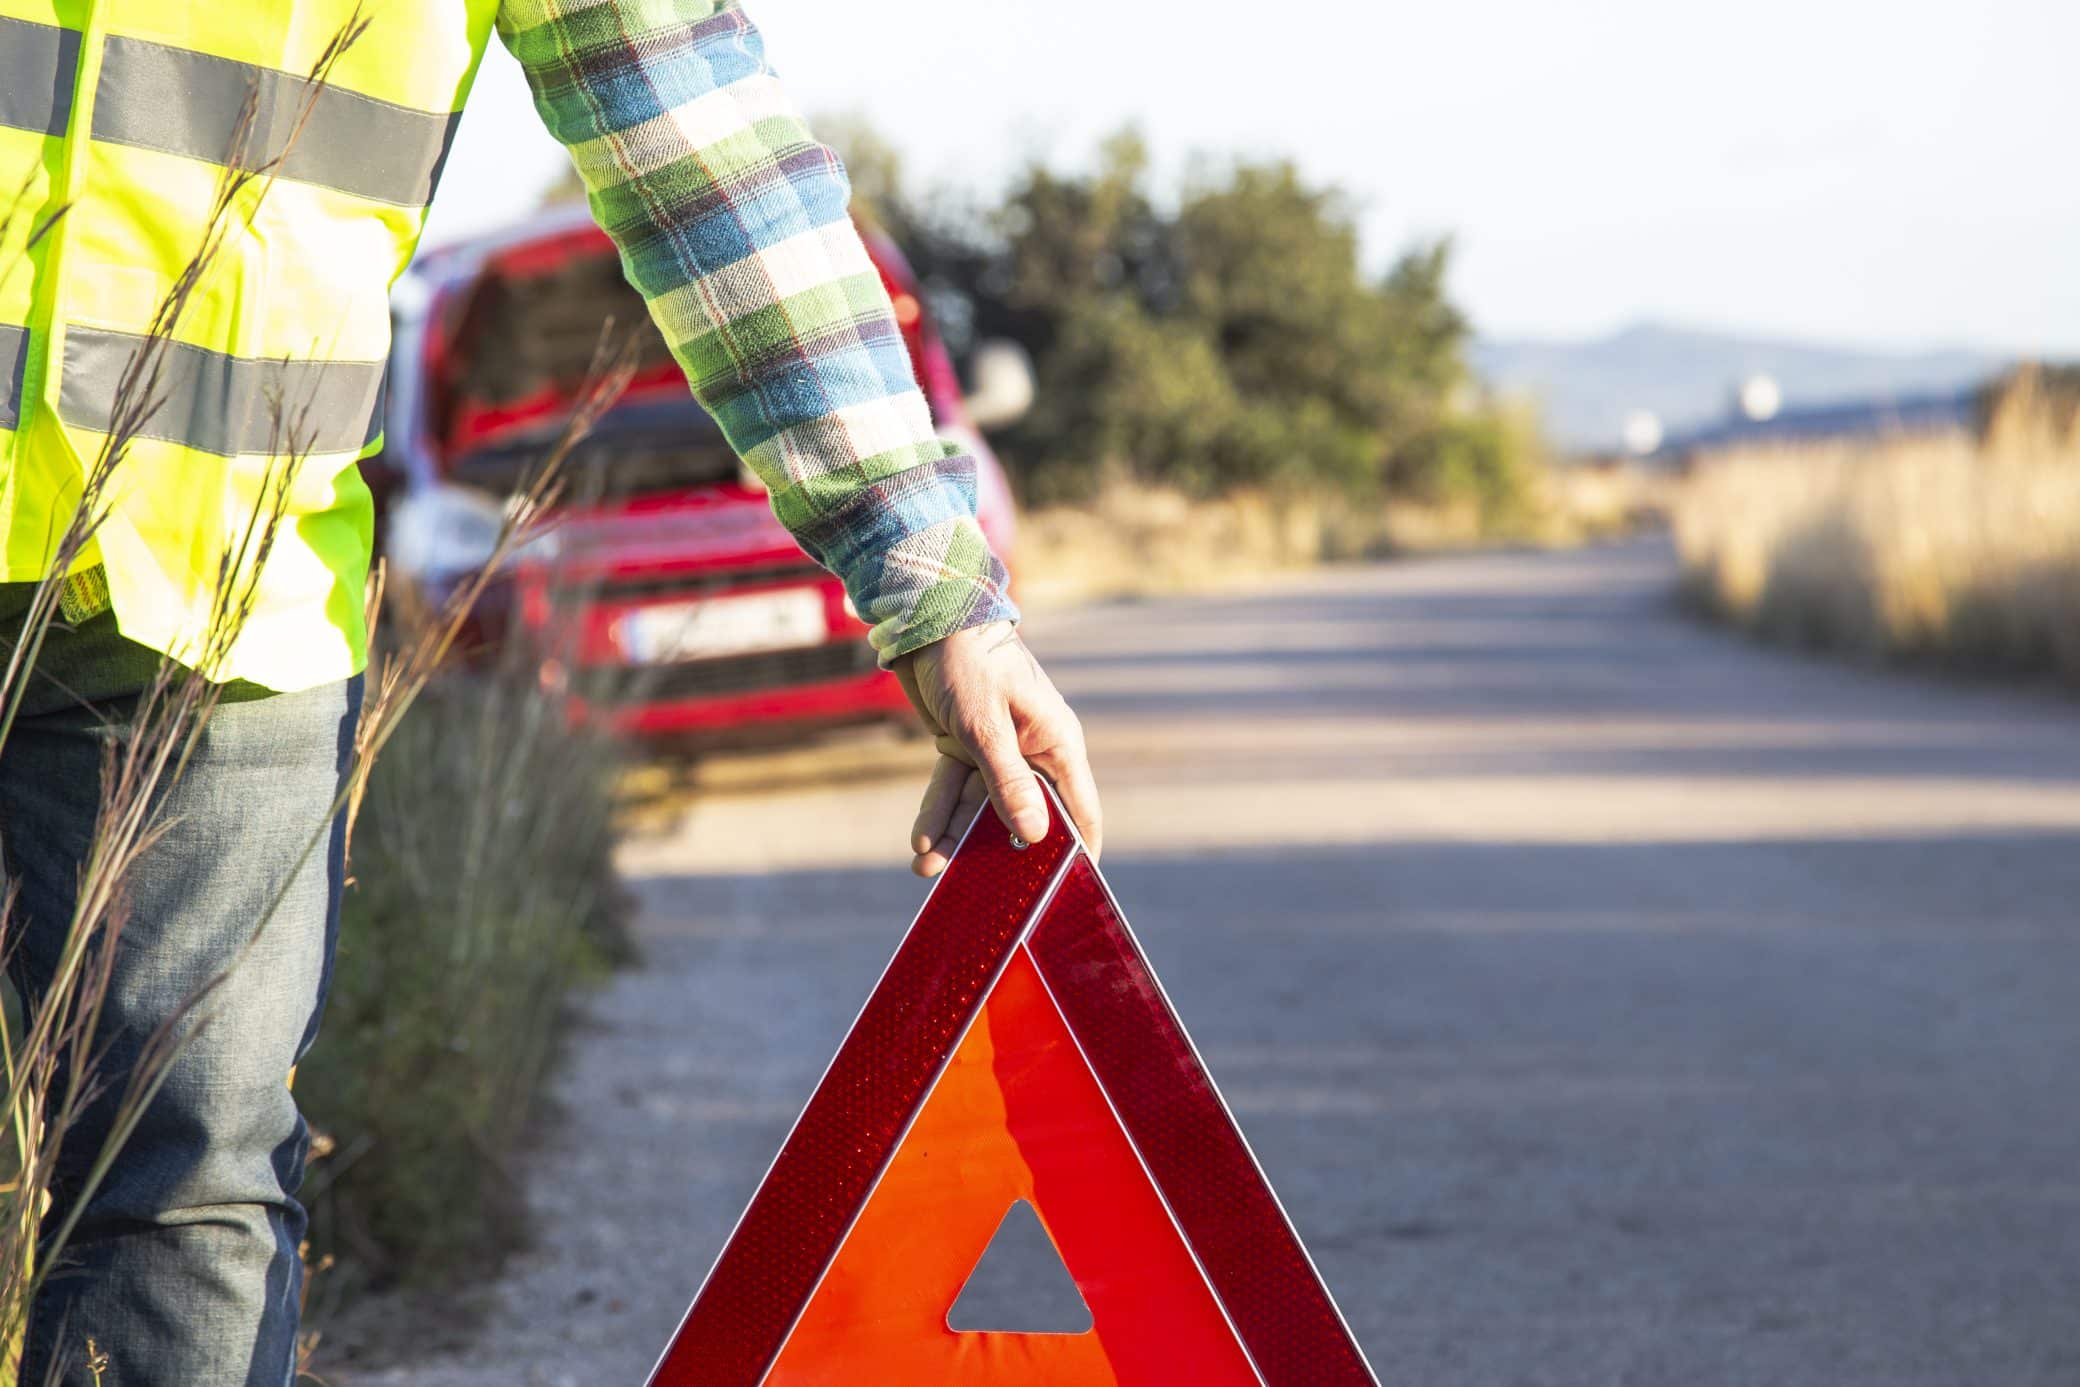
<point x="1013" y="788"/>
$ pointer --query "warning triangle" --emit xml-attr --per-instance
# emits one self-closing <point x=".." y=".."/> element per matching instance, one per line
<point x="1017" y="1050"/>
<point x="1019" y="1286"/>
<point x="1016" y="1115"/>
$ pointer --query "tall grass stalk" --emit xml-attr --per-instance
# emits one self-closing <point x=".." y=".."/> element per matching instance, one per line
<point x="465" y="921"/>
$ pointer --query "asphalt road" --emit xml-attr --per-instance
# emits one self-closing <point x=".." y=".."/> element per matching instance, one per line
<point x="1610" y="1000"/>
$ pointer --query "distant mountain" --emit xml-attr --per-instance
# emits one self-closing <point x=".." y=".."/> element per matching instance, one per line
<point x="1687" y="377"/>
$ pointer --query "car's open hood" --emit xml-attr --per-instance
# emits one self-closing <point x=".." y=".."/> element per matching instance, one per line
<point x="512" y="347"/>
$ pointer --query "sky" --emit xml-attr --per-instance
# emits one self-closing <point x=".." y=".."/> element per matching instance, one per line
<point x="1893" y="174"/>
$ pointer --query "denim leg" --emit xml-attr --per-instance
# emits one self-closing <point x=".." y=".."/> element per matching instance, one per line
<point x="183" y="1268"/>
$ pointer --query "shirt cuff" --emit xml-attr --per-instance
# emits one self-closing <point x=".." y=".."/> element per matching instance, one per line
<point x="912" y="555"/>
<point x="973" y="589"/>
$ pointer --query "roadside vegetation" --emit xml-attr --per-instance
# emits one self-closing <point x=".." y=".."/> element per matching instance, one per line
<point x="482" y="898"/>
<point x="1217" y="358"/>
<point x="1142" y="540"/>
<point x="1961" y="549"/>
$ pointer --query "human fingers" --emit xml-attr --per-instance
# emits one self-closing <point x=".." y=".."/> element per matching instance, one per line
<point x="1013" y="788"/>
<point x="973" y="795"/>
<point x="1068" y="765"/>
<point x="935" y="811"/>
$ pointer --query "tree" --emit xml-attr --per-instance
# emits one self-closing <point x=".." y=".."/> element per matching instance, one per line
<point x="1234" y="340"/>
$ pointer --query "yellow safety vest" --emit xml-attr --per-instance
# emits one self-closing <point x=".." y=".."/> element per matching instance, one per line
<point x="122" y="112"/>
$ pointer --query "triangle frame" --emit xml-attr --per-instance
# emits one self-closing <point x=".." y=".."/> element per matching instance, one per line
<point x="1003" y="913"/>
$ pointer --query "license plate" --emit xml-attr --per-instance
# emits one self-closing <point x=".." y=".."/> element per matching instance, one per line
<point x="666" y="634"/>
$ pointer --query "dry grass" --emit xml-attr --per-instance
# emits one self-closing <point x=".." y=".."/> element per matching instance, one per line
<point x="1949" y="547"/>
<point x="1134" y="541"/>
<point x="1137" y="540"/>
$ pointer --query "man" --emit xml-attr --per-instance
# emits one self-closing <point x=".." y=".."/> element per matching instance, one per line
<point x="731" y="221"/>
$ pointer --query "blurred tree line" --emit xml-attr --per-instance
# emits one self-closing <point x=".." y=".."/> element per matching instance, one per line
<point x="1231" y="340"/>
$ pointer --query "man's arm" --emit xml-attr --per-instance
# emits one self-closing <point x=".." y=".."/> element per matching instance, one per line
<point x="731" y="221"/>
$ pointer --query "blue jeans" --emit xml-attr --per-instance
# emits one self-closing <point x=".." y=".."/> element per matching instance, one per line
<point x="183" y="1268"/>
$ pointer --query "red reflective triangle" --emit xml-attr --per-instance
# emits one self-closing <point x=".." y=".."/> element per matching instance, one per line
<point x="1017" y="1115"/>
<point x="1018" y="1047"/>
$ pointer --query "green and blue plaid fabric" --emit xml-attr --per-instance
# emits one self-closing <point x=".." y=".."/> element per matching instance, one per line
<point x="731" y="220"/>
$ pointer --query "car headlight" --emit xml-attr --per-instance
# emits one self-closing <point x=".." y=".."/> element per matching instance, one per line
<point x="445" y="532"/>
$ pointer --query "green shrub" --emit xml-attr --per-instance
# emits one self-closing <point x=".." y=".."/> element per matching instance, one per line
<point x="1229" y="338"/>
<point x="1490" y="461"/>
<point x="482" y="894"/>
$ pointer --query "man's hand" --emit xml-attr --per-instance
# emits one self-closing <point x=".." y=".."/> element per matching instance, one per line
<point x="996" y="719"/>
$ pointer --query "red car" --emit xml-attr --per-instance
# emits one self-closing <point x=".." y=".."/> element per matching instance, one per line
<point x="662" y="594"/>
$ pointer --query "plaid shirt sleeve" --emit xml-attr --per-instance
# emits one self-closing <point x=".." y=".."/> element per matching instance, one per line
<point x="731" y="220"/>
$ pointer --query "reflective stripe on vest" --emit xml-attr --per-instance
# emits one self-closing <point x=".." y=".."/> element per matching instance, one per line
<point x="223" y="404"/>
<point x="14" y="358"/>
<point x="37" y="67"/>
<point x="287" y="331"/>
<point x="188" y="103"/>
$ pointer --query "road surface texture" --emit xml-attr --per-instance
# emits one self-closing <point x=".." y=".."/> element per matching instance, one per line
<point x="1612" y="1001"/>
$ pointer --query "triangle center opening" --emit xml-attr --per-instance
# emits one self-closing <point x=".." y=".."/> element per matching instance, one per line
<point x="1019" y="1285"/>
